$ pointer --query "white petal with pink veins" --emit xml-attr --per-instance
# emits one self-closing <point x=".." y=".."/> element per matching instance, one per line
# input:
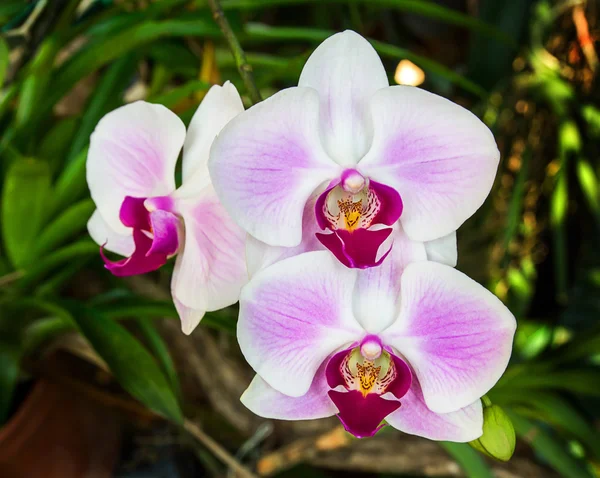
<point x="456" y="335"/>
<point x="346" y="70"/>
<point x="415" y="418"/>
<point x="102" y="234"/>
<point x="439" y="156"/>
<point x="133" y="152"/>
<point x="293" y="315"/>
<point x="211" y="269"/>
<point x="267" y="162"/>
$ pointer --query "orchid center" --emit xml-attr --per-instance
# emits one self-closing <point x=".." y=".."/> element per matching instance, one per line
<point x="368" y="374"/>
<point x="350" y="208"/>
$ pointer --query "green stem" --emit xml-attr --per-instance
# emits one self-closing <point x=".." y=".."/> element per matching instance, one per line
<point x="243" y="66"/>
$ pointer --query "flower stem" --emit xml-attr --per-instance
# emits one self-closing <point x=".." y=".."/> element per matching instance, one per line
<point x="243" y="66"/>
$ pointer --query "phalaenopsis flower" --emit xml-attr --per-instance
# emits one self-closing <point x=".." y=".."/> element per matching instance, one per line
<point x="346" y="162"/>
<point x="416" y="348"/>
<point x="143" y="216"/>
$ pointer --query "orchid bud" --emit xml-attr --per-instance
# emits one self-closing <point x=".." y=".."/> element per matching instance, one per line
<point x="498" y="439"/>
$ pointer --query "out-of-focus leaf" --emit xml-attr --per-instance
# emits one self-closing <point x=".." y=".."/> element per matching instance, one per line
<point x="490" y="61"/>
<point x="560" y="413"/>
<point x="171" y="98"/>
<point x="152" y="309"/>
<point x="591" y="114"/>
<point x="107" y="96"/>
<point x="65" y="226"/>
<point x="56" y="143"/>
<point x="43" y="330"/>
<point x="101" y="53"/>
<point x="10" y="358"/>
<point x="420" y="7"/>
<point x="4" y="52"/>
<point x="130" y="362"/>
<point x="161" y="352"/>
<point x="589" y="184"/>
<point x="469" y="460"/>
<point x="24" y="199"/>
<point x="73" y="251"/>
<point x="257" y="30"/>
<point x="553" y="451"/>
<point x="70" y="185"/>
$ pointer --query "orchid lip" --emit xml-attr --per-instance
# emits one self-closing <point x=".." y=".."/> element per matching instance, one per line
<point x="155" y="234"/>
<point x="350" y="208"/>
<point x="359" y="377"/>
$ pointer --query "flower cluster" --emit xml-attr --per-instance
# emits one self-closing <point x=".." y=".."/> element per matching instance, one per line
<point x="330" y="212"/>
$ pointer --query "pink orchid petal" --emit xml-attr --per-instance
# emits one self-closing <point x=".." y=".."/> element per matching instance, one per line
<point x="267" y="162"/>
<point x="346" y="71"/>
<point x="133" y="152"/>
<point x="220" y="105"/>
<point x="456" y="335"/>
<point x="260" y="255"/>
<point x="415" y="418"/>
<point x="440" y="158"/>
<point x="211" y="269"/>
<point x="267" y="402"/>
<point x="293" y="315"/>
<point x="101" y="233"/>
<point x="378" y="288"/>
<point x="443" y="250"/>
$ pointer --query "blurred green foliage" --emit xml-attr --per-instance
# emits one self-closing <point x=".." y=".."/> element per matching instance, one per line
<point x="519" y="65"/>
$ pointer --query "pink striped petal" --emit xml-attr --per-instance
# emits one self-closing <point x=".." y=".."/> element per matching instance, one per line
<point x="267" y="402"/>
<point x="267" y="162"/>
<point x="133" y="152"/>
<point x="293" y="315"/>
<point x="211" y="269"/>
<point x="456" y="335"/>
<point x="346" y="71"/>
<point x="415" y="418"/>
<point x="439" y="156"/>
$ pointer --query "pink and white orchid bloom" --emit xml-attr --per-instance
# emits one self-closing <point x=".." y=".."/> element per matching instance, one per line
<point x="368" y="155"/>
<point x="417" y="349"/>
<point x="141" y="215"/>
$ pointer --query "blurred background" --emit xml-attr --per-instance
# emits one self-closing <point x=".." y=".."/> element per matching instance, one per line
<point x="95" y="375"/>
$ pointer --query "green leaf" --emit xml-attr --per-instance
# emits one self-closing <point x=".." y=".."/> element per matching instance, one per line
<point x="589" y="184"/>
<point x="261" y="31"/>
<point x="498" y="439"/>
<point x="10" y="357"/>
<point x="419" y="7"/>
<point x="161" y="352"/>
<point x="68" y="224"/>
<point x="24" y="201"/>
<point x="130" y="362"/>
<point x="107" y="96"/>
<point x="469" y="460"/>
<point x="73" y="251"/>
<point x="56" y="143"/>
<point x="4" y="60"/>
<point x="552" y="450"/>
<point x="70" y="185"/>
<point x="101" y="53"/>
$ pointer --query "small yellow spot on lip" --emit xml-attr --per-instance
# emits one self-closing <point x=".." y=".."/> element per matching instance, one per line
<point x="367" y="375"/>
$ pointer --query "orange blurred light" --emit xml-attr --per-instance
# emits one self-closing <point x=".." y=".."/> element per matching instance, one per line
<point x="407" y="73"/>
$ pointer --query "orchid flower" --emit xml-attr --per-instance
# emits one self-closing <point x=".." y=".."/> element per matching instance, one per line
<point x="417" y="349"/>
<point x="142" y="215"/>
<point x="369" y="156"/>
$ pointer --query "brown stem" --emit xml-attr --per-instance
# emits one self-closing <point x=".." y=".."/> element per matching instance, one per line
<point x="243" y="66"/>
